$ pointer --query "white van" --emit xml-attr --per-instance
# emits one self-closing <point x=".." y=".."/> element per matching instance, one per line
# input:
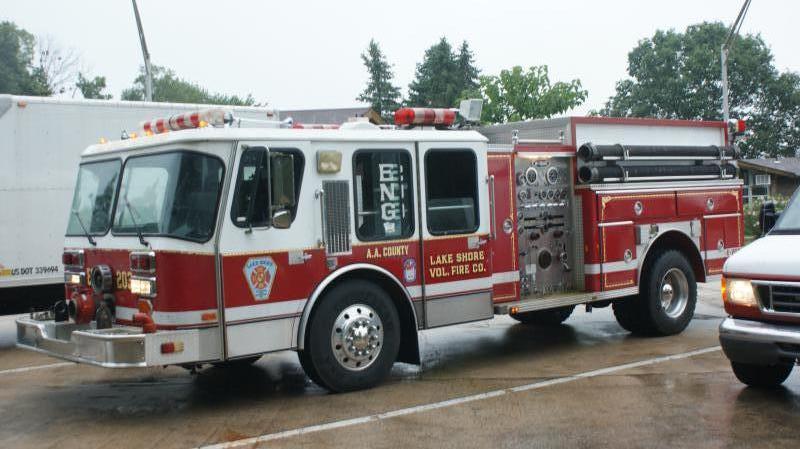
<point x="761" y="292"/>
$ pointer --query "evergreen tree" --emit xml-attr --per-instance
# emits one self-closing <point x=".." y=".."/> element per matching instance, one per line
<point x="466" y="65"/>
<point x="380" y="93"/>
<point x="438" y="79"/>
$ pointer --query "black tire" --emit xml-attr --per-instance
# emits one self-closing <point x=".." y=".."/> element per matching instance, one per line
<point x="646" y="314"/>
<point x="626" y="311"/>
<point x="308" y="367"/>
<point x="552" y="317"/>
<point x="761" y="376"/>
<point x="328" y="361"/>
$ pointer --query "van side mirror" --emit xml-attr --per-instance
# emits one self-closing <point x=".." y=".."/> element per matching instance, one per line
<point x="767" y="217"/>
<point x="281" y="219"/>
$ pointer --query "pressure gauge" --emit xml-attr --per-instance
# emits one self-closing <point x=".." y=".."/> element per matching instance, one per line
<point x="552" y="175"/>
<point x="531" y="175"/>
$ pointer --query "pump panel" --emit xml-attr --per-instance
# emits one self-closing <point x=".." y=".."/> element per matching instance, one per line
<point x="545" y="228"/>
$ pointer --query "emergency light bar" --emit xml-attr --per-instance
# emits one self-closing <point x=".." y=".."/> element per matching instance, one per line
<point x="424" y="116"/>
<point x="188" y="120"/>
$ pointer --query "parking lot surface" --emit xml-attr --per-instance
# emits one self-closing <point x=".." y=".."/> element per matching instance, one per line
<point x="587" y="383"/>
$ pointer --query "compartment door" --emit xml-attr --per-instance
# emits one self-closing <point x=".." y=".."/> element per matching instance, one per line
<point x="618" y="266"/>
<point x="722" y="236"/>
<point x="503" y="244"/>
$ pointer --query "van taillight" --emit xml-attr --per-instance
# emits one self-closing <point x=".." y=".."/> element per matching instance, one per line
<point x="143" y="262"/>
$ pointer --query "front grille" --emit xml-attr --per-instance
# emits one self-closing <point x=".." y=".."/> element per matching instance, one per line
<point x="779" y="298"/>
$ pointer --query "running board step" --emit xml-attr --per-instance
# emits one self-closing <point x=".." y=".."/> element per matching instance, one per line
<point x="560" y="300"/>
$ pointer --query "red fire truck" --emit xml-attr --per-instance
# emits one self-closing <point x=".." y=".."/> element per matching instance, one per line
<point x="208" y="239"/>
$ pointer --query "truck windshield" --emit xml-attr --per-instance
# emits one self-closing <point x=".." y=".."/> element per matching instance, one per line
<point x="94" y="196"/>
<point x="789" y="221"/>
<point x="169" y="194"/>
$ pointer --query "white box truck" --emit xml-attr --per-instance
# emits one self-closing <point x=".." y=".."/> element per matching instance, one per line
<point x="41" y="140"/>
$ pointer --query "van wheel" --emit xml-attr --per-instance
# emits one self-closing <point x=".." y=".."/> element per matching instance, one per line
<point x="667" y="297"/>
<point x="761" y="376"/>
<point x="353" y="338"/>
<point x="552" y="317"/>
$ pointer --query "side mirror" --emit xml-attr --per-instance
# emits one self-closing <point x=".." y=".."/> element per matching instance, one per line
<point x="281" y="219"/>
<point x="767" y="217"/>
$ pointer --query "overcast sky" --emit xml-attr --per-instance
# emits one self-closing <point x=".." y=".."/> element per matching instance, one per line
<point x="305" y="54"/>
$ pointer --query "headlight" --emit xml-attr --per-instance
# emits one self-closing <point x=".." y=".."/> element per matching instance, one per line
<point x="143" y="286"/>
<point x="739" y="292"/>
<point x="74" y="278"/>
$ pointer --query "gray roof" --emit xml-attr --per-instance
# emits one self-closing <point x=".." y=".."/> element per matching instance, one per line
<point x="785" y="166"/>
<point x="325" y="116"/>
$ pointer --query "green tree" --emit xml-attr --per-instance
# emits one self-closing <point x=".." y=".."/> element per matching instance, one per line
<point x="519" y="94"/>
<point x="168" y="87"/>
<point x="92" y="88"/>
<point x="380" y="93"/>
<point x="677" y="75"/>
<point x="466" y="66"/>
<point x="17" y="76"/>
<point x="438" y="81"/>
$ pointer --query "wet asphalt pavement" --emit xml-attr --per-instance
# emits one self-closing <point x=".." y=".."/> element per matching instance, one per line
<point x="495" y="384"/>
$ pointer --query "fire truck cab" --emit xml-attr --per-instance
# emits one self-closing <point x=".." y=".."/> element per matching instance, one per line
<point x="208" y="241"/>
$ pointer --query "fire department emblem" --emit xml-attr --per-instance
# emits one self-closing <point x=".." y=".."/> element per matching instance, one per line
<point x="260" y="273"/>
<point x="410" y="270"/>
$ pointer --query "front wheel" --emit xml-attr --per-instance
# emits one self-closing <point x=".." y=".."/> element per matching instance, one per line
<point x="761" y="376"/>
<point x="353" y="337"/>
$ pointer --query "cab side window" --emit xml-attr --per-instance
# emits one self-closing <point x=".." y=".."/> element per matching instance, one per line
<point x="268" y="182"/>
<point x="451" y="181"/>
<point x="383" y="195"/>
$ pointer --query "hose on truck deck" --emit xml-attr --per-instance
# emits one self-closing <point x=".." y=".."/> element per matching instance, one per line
<point x="630" y="173"/>
<point x="590" y="152"/>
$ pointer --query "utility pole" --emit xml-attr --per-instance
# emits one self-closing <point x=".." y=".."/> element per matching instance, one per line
<point x="733" y="32"/>
<point x="148" y="74"/>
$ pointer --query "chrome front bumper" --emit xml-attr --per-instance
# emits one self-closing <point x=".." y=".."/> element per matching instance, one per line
<point x="759" y="343"/>
<point x="116" y="347"/>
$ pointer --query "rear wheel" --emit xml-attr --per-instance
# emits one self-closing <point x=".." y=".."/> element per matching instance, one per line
<point x="552" y="317"/>
<point x="667" y="297"/>
<point x="761" y="376"/>
<point x="353" y="337"/>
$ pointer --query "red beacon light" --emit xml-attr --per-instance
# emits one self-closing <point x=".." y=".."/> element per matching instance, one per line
<point x="438" y="117"/>
<point x="189" y="120"/>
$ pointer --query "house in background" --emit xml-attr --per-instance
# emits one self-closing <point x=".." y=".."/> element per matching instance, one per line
<point x="765" y="178"/>
<point x="331" y="116"/>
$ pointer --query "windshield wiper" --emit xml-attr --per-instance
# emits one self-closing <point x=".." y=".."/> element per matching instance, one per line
<point x="85" y="232"/>
<point x="133" y="219"/>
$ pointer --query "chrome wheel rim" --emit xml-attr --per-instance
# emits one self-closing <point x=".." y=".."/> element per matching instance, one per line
<point x="674" y="292"/>
<point x="357" y="337"/>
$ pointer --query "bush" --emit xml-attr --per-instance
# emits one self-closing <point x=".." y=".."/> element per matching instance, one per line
<point x="751" y="228"/>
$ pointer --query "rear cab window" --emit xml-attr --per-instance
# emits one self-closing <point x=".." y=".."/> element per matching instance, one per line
<point x="451" y="184"/>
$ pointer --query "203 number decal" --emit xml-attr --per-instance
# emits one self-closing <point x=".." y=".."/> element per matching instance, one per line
<point x="123" y="280"/>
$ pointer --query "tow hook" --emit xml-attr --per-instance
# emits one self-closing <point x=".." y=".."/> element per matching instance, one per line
<point x="146" y="321"/>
